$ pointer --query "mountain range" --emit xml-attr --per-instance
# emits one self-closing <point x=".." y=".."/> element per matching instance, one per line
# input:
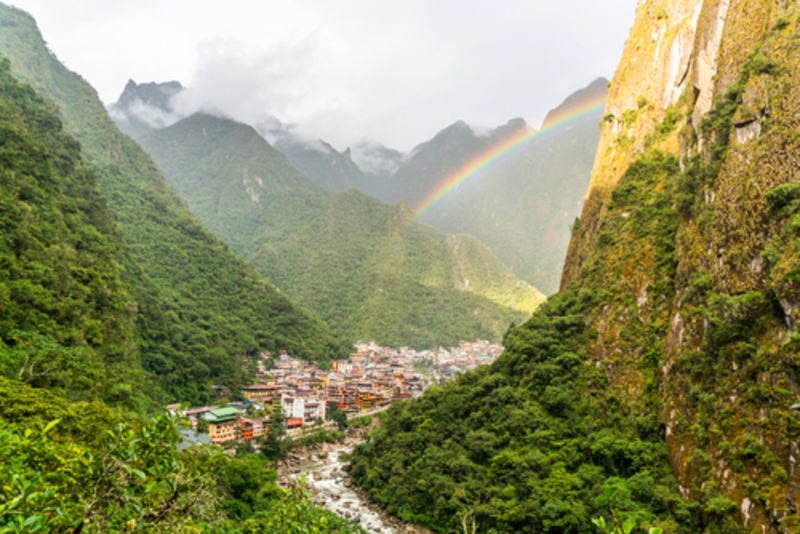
<point x="520" y="206"/>
<point x="364" y="267"/>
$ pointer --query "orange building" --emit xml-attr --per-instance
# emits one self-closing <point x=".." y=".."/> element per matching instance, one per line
<point x="245" y="429"/>
<point x="294" y="422"/>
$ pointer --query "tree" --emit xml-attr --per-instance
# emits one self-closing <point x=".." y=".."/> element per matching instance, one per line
<point x="132" y="477"/>
<point x="294" y="513"/>
<point x="244" y="447"/>
<point x="339" y="417"/>
<point x="202" y="425"/>
<point x="276" y="444"/>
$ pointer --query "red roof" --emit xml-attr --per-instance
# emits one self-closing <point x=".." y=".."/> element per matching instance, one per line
<point x="202" y="409"/>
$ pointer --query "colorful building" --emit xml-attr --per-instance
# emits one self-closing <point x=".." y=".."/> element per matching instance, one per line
<point x="223" y="425"/>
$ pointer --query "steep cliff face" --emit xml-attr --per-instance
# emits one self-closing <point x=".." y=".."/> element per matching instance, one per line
<point x="690" y="227"/>
<point x="648" y="80"/>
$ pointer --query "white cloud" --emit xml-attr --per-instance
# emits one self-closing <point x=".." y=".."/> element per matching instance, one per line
<point x="153" y="116"/>
<point x="248" y="85"/>
<point x="395" y="72"/>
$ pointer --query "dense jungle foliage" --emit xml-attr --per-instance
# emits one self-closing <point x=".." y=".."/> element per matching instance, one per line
<point x="70" y="463"/>
<point x="66" y="319"/>
<point x="528" y="444"/>
<point x="82" y="467"/>
<point x="199" y="309"/>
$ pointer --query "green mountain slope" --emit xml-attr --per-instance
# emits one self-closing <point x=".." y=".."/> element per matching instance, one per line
<point x="359" y="264"/>
<point x="370" y="271"/>
<point x="200" y="309"/>
<point x="70" y="462"/>
<point x="66" y="320"/>
<point x="521" y="205"/>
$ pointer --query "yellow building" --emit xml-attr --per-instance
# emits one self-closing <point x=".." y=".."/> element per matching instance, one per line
<point x="316" y="383"/>
<point x="368" y="400"/>
<point x="223" y="425"/>
<point x="261" y="392"/>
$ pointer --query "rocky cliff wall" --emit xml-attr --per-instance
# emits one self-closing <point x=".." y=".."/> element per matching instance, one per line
<point x="691" y="229"/>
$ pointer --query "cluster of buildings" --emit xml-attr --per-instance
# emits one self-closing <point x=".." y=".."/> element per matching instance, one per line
<point x="445" y="364"/>
<point x="369" y="380"/>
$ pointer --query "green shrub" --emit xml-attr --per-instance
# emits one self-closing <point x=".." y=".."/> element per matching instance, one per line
<point x="780" y="197"/>
<point x="667" y="124"/>
<point x="781" y="23"/>
<point x="761" y="64"/>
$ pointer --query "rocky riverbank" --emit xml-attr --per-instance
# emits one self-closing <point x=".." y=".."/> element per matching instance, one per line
<point x="329" y="483"/>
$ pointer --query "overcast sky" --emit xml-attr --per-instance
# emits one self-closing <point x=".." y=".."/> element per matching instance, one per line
<point x="346" y="70"/>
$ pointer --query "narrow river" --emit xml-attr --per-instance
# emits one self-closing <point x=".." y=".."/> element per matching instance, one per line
<point x="327" y="480"/>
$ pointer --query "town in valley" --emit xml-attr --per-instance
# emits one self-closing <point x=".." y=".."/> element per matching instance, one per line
<point x="306" y="397"/>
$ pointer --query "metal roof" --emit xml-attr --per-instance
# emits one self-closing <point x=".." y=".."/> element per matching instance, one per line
<point x="227" y="411"/>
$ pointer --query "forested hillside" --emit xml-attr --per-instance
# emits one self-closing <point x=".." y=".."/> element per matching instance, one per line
<point x="198" y="308"/>
<point x="66" y="319"/>
<point x="70" y="463"/>
<point x="362" y="266"/>
<point x="657" y="387"/>
<point x="528" y="444"/>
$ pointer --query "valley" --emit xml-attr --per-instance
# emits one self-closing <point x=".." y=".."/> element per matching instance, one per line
<point x="218" y="286"/>
<point x="308" y="419"/>
<point x="364" y="267"/>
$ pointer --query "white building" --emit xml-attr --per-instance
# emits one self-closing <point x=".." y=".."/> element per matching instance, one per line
<point x="306" y="408"/>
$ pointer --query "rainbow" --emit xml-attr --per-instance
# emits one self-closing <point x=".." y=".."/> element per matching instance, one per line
<point x="494" y="153"/>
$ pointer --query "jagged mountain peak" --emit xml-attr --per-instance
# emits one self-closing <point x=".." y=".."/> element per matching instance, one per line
<point x="143" y="106"/>
<point x="517" y="122"/>
<point x="453" y="135"/>
<point x="459" y="126"/>
<point x="157" y="94"/>
<point x="596" y="91"/>
<point x="376" y="160"/>
<point x="513" y="126"/>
